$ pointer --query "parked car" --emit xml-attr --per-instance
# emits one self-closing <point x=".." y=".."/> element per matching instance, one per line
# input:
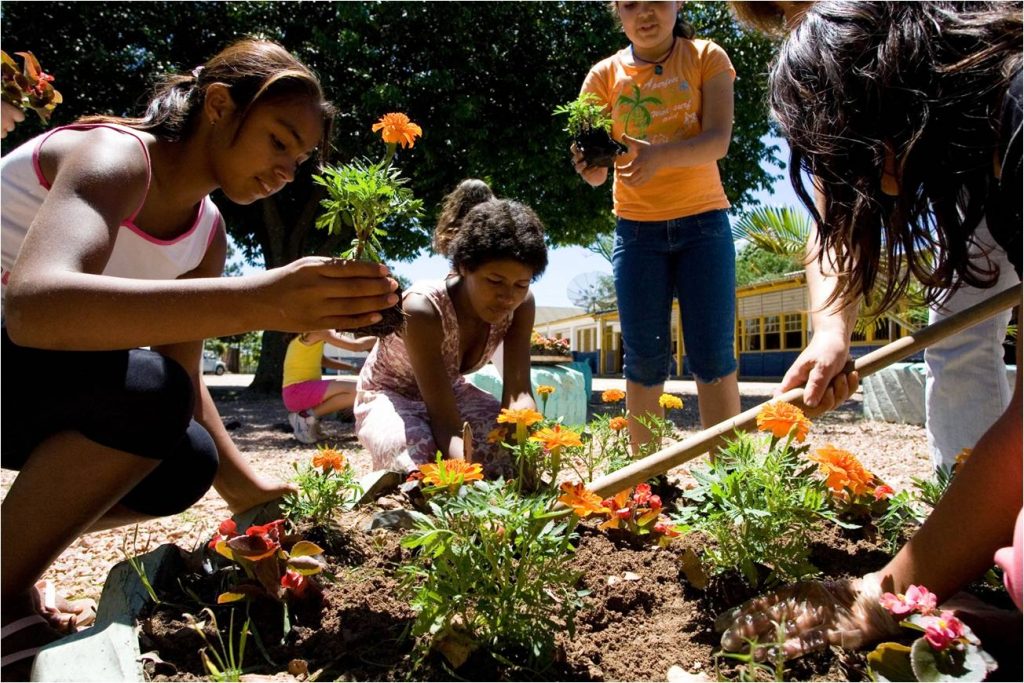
<point x="213" y="363"/>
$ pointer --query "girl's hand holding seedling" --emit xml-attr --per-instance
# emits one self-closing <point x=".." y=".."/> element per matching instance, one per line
<point x="316" y="293"/>
<point x="813" y="615"/>
<point x="644" y="162"/>
<point x="594" y="175"/>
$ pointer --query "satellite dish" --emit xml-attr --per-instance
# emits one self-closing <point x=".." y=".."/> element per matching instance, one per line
<point x="594" y="291"/>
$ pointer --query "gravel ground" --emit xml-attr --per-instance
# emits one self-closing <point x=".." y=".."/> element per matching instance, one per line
<point x="259" y="426"/>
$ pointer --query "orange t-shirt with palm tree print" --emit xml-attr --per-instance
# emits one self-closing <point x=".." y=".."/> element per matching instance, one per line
<point x="662" y="108"/>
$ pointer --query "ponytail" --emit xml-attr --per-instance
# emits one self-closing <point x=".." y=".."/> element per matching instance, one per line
<point x="253" y="70"/>
<point x="454" y="208"/>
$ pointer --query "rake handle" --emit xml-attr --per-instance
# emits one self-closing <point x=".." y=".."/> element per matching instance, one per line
<point x="688" y="449"/>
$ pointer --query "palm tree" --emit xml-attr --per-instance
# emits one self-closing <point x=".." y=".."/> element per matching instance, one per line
<point x="636" y="105"/>
<point x="781" y="230"/>
<point x="784" y="231"/>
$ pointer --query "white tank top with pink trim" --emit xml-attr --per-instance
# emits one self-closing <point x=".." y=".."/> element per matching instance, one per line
<point x="135" y="253"/>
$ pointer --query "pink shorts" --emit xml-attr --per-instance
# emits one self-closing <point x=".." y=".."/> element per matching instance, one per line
<point x="304" y="395"/>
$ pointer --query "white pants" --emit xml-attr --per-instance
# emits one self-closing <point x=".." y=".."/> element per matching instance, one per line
<point x="966" y="388"/>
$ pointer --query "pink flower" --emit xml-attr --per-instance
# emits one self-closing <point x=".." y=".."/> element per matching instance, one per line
<point x="943" y="630"/>
<point x="916" y="599"/>
<point x="883" y="491"/>
<point x="654" y="502"/>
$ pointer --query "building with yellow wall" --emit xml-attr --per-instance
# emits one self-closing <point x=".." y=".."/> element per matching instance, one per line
<point x="772" y="327"/>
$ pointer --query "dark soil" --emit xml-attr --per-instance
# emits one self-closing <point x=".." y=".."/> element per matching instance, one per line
<point x="641" y="617"/>
<point x="598" y="148"/>
<point x="392" y="320"/>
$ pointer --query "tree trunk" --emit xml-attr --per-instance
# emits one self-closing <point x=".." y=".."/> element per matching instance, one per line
<point x="270" y="370"/>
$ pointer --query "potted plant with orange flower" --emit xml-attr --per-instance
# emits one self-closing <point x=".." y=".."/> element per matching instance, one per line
<point x="366" y="196"/>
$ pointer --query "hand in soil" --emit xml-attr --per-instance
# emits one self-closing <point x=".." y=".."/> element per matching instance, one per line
<point x="811" y="616"/>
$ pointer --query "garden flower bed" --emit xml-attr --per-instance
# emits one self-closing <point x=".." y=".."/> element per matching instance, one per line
<point x="491" y="584"/>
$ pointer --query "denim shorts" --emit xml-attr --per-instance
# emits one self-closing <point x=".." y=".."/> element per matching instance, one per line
<point x="692" y="258"/>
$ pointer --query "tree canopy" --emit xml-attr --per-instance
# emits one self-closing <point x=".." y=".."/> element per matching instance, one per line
<point x="482" y="79"/>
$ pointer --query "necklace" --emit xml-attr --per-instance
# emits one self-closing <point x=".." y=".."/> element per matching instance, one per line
<point x="658" y="69"/>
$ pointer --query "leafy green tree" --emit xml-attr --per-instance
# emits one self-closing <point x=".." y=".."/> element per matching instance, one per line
<point x="481" y="79"/>
<point x="755" y="264"/>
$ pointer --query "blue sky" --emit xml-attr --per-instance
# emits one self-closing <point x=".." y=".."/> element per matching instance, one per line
<point x="565" y="263"/>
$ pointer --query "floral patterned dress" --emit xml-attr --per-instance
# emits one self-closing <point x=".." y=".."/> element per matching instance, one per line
<point x="392" y="422"/>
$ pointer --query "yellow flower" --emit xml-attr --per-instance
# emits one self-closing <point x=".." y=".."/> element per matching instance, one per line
<point x="451" y="473"/>
<point x="545" y="389"/>
<point x="618" y="423"/>
<point x="329" y="459"/>
<point x="779" y="417"/>
<point x="496" y="435"/>
<point x="397" y="128"/>
<point x="524" y="417"/>
<point x="582" y="501"/>
<point x="961" y="458"/>
<point x="842" y="470"/>
<point x="556" y="437"/>
<point x="668" y="401"/>
<point x="613" y="395"/>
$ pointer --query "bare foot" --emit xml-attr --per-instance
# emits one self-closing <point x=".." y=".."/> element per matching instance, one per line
<point x="255" y="493"/>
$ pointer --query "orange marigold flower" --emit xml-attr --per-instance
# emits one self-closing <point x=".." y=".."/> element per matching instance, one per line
<point x="545" y="389"/>
<point x="496" y="435"/>
<point x="397" y="128"/>
<point x="524" y="417"/>
<point x="451" y="472"/>
<point x="613" y="395"/>
<point x="329" y="459"/>
<point x="668" y="401"/>
<point x="556" y="437"/>
<point x="618" y="423"/>
<point x="842" y="470"/>
<point x="779" y="417"/>
<point x="582" y="501"/>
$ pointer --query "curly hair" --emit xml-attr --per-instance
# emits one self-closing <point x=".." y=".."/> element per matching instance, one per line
<point x="859" y="82"/>
<point x="456" y="204"/>
<point x="498" y="229"/>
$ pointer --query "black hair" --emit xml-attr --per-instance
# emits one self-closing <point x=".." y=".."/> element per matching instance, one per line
<point x="456" y="204"/>
<point x="489" y="229"/>
<point x="857" y="82"/>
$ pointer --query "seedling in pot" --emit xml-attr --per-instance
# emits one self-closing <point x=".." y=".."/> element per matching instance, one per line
<point x="590" y="128"/>
<point x="365" y="197"/>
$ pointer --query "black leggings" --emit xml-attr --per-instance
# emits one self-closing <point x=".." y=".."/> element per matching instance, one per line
<point x="136" y="401"/>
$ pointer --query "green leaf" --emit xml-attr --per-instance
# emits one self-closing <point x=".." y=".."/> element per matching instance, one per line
<point x="969" y="664"/>
<point x="891" y="662"/>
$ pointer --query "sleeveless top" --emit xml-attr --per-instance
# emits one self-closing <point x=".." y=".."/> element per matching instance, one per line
<point x="302" y="362"/>
<point x="387" y="368"/>
<point x="136" y="254"/>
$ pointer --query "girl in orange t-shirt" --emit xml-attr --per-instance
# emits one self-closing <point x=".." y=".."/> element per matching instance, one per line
<point x="670" y="97"/>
